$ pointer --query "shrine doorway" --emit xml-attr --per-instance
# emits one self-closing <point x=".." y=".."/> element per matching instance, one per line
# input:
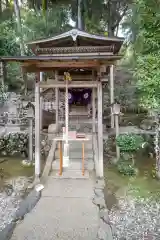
<point x="80" y="103"/>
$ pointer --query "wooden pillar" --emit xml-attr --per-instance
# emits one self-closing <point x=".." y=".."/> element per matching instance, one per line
<point x="57" y="100"/>
<point x="93" y="110"/>
<point x="41" y="104"/>
<point x="93" y="106"/>
<point x="66" y="145"/>
<point x="112" y="92"/>
<point x="37" y="128"/>
<point x="30" y="139"/>
<point x="100" y="129"/>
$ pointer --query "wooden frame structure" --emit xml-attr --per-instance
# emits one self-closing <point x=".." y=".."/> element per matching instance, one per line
<point x="69" y="51"/>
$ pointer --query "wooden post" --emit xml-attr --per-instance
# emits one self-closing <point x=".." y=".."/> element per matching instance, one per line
<point x="41" y="103"/>
<point x="117" y="133"/>
<point x="112" y="92"/>
<point x="60" y="158"/>
<point x="57" y="100"/>
<point x="100" y="129"/>
<point x="93" y="106"/>
<point x="83" y="169"/>
<point x="30" y="139"/>
<point x="66" y="145"/>
<point x="93" y="110"/>
<point x="37" y="129"/>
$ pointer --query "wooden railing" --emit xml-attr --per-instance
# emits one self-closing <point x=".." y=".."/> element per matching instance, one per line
<point x="61" y="158"/>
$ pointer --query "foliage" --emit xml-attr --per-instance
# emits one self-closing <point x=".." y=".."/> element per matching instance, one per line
<point x="8" y="44"/>
<point x="97" y="16"/>
<point x="126" y="168"/>
<point x="35" y="26"/>
<point x="3" y="93"/>
<point x="13" y="143"/>
<point x="14" y="77"/>
<point x="129" y="142"/>
<point x="146" y="31"/>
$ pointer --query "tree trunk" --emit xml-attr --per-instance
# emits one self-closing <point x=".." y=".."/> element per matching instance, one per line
<point x="19" y="30"/>
<point x="110" y="30"/>
<point x="0" y="7"/>
<point x="79" y="18"/>
<point x="19" y="26"/>
<point x="7" y="3"/>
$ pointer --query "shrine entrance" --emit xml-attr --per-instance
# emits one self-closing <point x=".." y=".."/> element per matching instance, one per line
<point x="80" y="102"/>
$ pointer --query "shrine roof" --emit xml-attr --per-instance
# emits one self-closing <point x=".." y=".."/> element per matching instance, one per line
<point x="32" y="59"/>
<point x="78" y="38"/>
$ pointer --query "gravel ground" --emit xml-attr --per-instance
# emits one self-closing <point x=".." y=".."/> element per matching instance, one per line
<point x="9" y="204"/>
<point x="136" y="219"/>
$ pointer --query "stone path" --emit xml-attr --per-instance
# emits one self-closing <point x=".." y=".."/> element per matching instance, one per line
<point x="65" y="211"/>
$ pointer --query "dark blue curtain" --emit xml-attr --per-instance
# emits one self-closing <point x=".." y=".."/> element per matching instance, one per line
<point x="79" y="96"/>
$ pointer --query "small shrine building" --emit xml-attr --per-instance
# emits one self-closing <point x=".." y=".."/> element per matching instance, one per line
<point x="79" y="63"/>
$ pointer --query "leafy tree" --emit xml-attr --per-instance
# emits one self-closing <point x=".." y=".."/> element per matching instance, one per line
<point x="8" y="43"/>
<point x="96" y="16"/>
<point x="147" y="52"/>
<point x="35" y="26"/>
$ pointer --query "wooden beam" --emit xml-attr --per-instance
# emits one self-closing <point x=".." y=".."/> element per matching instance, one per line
<point x="72" y="84"/>
<point x="32" y="67"/>
<point x="100" y="130"/>
<point x="79" y="54"/>
<point x="64" y="64"/>
<point x="74" y="77"/>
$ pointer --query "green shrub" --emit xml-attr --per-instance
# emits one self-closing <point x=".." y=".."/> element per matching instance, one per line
<point x="126" y="169"/>
<point x="14" y="143"/>
<point x="129" y="142"/>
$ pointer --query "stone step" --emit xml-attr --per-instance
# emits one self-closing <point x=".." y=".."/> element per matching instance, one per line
<point x="76" y="155"/>
<point x="78" y="148"/>
<point x="70" y="174"/>
<point x="75" y="165"/>
<point x="78" y="145"/>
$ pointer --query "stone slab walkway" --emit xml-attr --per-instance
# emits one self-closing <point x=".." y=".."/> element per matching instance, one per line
<point x="65" y="212"/>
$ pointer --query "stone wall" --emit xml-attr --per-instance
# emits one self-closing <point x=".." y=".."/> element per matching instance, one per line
<point x="105" y="230"/>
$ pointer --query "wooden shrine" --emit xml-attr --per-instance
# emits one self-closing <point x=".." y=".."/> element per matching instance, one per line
<point x="80" y="63"/>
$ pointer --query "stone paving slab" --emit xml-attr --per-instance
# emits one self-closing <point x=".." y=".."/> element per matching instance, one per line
<point x="77" y="155"/>
<point x="69" y="188"/>
<point x="75" y="165"/>
<point x="64" y="212"/>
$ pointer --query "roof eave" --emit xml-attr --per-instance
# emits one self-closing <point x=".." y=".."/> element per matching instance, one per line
<point x="74" y="33"/>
